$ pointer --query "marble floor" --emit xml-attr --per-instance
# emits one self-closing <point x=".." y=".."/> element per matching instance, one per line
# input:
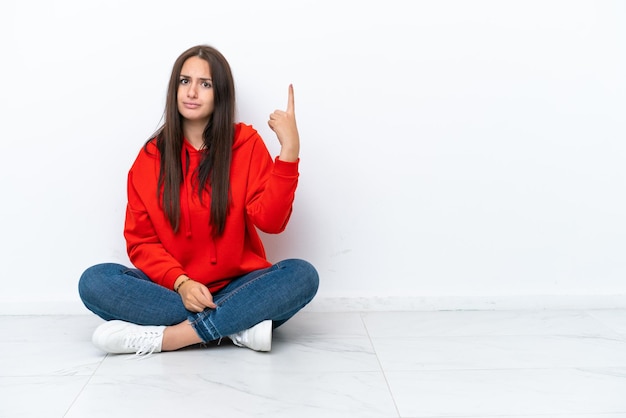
<point x="375" y="364"/>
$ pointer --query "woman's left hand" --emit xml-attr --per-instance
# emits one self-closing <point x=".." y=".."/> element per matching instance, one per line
<point x="283" y="123"/>
<point x="196" y="296"/>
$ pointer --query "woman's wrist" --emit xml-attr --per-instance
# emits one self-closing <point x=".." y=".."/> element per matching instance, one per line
<point x="289" y="153"/>
<point x="179" y="282"/>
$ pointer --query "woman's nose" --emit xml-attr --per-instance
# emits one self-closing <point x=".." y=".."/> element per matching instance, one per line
<point x="192" y="90"/>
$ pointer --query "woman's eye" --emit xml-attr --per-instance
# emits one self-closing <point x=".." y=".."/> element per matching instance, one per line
<point x="184" y="81"/>
<point x="206" y="84"/>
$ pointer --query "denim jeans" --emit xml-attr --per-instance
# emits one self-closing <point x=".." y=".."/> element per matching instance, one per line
<point x="113" y="291"/>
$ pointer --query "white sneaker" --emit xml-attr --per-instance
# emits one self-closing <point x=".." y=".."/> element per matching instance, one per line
<point x="119" y="337"/>
<point x="258" y="338"/>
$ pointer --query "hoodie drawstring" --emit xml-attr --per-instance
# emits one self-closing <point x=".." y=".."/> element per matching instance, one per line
<point x="187" y="194"/>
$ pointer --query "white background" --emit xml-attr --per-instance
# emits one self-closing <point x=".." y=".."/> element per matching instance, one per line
<point x="455" y="154"/>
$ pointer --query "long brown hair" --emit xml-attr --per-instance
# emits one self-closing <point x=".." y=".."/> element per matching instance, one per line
<point x="214" y="168"/>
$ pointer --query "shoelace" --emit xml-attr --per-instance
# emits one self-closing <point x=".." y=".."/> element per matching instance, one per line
<point x="145" y="343"/>
<point x="239" y="339"/>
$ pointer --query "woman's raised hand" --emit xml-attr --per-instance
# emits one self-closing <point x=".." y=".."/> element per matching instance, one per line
<point x="283" y="123"/>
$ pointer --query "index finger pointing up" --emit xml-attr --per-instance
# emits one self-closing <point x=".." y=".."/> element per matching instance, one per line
<point x="291" y="106"/>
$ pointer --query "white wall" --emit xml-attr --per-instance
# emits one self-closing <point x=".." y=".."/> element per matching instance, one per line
<point x="455" y="154"/>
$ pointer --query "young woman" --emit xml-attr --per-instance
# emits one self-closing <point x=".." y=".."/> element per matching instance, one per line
<point x="197" y="192"/>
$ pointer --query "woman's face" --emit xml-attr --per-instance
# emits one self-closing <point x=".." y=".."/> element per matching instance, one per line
<point x="195" y="91"/>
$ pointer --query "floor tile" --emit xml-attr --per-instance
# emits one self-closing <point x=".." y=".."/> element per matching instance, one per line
<point x="54" y="359"/>
<point x="485" y="323"/>
<point x="38" y="397"/>
<point x="440" y="353"/>
<point x="237" y="395"/>
<point x="490" y="393"/>
<point x="614" y="319"/>
<point x="320" y="325"/>
<point x="46" y="329"/>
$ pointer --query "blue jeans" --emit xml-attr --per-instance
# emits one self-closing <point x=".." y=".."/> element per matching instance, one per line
<point x="113" y="291"/>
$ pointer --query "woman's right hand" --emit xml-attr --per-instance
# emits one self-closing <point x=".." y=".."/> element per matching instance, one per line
<point x="196" y="296"/>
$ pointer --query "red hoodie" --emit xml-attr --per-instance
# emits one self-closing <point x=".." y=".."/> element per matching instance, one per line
<point x="261" y="196"/>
